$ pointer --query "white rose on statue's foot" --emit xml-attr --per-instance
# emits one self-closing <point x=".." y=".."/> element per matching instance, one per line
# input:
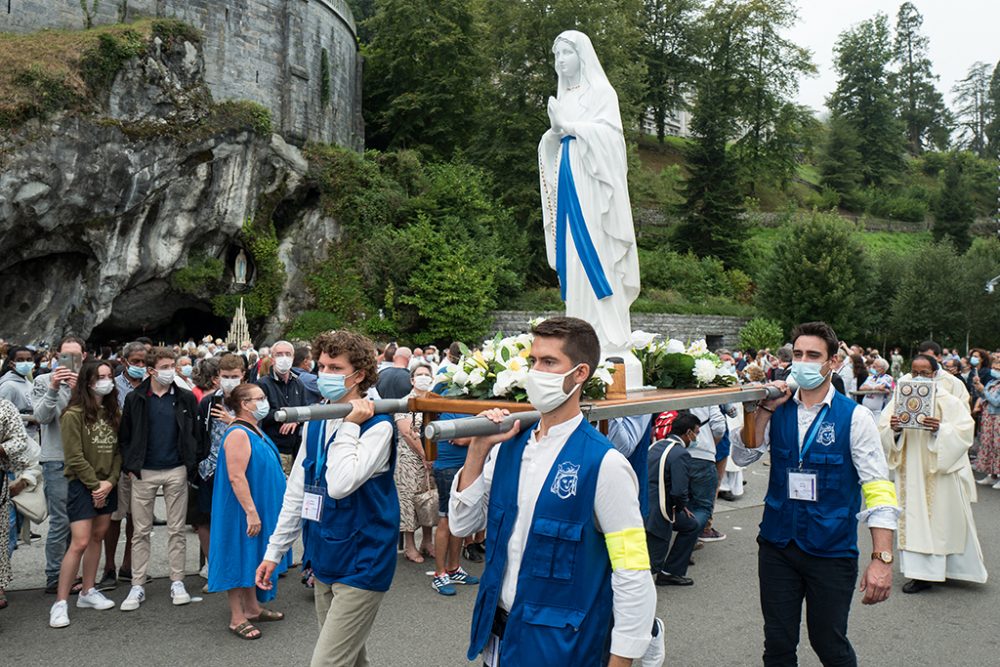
<point x="704" y="371"/>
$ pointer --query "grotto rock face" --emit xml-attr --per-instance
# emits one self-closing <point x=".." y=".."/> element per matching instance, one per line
<point x="98" y="211"/>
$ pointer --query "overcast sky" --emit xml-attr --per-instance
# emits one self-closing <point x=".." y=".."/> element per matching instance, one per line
<point x="960" y="31"/>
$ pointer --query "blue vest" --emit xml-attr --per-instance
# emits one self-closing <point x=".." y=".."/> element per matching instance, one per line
<point x="829" y="526"/>
<point x="354" y="543"/>
<point x="562" y="611"/>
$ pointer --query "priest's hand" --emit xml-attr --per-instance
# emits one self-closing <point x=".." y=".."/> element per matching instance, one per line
<point x="895" y="424"/>
<point x="876" y="583"/>
<point x="932" y="423"/>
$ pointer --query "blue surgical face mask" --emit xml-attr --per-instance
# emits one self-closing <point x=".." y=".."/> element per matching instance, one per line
<point x="974" y="361"/>
<point x="22" y="368"/>
<point x="332" y="385"/>
<point x="263" y="407"/>
<point x="807" y="374"/>
<point x="187" y="370"/>
<point x="995" y="374"/>
<point x="137" y="372"/>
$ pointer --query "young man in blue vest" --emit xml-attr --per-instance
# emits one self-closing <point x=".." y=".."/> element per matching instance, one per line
<point x="566" y="547"/>
<point x="342" y="497"/>
<point x="825" y="455"/>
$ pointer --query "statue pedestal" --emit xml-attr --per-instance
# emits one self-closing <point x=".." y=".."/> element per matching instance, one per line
<point x="633" y="369"/>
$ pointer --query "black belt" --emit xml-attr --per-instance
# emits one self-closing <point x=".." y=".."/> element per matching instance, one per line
<point x="500" y="622"/>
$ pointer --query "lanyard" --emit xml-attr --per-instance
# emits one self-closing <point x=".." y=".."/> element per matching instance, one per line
<point x="811" y="434"/>
<point x="322" y="447"/>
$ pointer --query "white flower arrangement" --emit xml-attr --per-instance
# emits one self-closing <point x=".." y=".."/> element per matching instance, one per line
<point x="499" y="368"/>
<point x="671" y="364"/>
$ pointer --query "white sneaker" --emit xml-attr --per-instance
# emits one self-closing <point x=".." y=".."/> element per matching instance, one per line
<point x="997" y="485"/>
<point x="179" y="594"/>
<point x="136" y="597"/>
<point x="59" y="615"/>
<point x="989" y="480"/>
<point x="655" y="653"/>
<point x="93" y="599"/>
<point x="203" y="572"/>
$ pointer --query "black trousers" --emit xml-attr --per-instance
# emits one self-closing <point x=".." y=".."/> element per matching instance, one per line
<point x="789" y="575"/>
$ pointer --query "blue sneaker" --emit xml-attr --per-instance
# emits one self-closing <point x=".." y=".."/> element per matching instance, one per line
<point x="442" y="584"/>
<point x="460" y="576"/>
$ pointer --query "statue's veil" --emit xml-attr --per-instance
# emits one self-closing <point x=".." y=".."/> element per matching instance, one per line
<point x="590" y="67"/>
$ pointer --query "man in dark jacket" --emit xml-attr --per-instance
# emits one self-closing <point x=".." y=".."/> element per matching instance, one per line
<point x="283" y="390"/>
<point x="671" y="568"/>
<point x="159" y="444"/>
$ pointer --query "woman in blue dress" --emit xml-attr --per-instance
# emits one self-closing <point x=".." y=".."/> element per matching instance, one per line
<point x="249" y="486"/>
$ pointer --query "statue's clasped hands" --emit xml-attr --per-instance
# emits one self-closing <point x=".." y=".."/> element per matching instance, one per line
<point x="555" y="116"/>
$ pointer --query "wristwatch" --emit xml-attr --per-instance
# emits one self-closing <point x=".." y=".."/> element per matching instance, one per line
<point x="884" y="556"/>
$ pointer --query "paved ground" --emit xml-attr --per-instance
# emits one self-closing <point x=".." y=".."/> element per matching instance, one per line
<point x="714" y="622"/>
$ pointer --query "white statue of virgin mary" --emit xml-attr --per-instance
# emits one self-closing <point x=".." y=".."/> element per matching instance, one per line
<point x="589" y="236"/>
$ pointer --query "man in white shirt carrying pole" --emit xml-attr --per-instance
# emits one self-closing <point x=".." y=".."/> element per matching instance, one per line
<point x="566" y="547"/>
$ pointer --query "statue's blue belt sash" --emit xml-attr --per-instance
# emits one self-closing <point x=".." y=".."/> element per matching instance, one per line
<point x="568" y="210"/>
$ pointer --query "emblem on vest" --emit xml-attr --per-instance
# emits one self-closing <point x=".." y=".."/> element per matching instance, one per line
<point x="564" y="485"/>
<point x="826" y="436"/>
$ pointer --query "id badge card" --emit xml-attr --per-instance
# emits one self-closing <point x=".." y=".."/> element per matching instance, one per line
<point x="312" y="503"/>
<point x="802" y="484"/>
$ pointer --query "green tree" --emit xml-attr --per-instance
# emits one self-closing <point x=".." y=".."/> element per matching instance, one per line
<point x="840" y="164"/>
<point x="819" y="272"/>
<point x="993" y="127"/>
<point x="864" y="97"/>
<point x="929" y="292"/>
<point x="768" y="67"/>
<point x="424" y="65"/>
<point x="761" y="333"/>
<point x="362" y="10"/>
<point x="974" y="109"/>
<point x="512" y="115"/>
<point x="669" y="31"/>
<point x="921" y="105"/>
<point x="953" y="210"/>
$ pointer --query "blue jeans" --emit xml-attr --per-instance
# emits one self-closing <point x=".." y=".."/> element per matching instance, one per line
<point x="703" y="479"/>
<point x="56" y="486"/>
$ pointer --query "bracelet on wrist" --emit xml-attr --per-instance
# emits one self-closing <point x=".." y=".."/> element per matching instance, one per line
<point x="766" y="409"/>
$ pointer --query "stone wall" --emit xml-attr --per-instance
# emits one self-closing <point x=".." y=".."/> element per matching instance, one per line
<point x="717" y="330"/>
<point x="267" y="51"/>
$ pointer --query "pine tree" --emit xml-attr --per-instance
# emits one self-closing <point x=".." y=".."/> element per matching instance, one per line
<point x="840" y="165"/>
<point x="921" y="105"/>
<point x="953" y="210"/>
<point x="974" y="109"/>
<point x="864" y="97"/>
<point x="993" y="127"/>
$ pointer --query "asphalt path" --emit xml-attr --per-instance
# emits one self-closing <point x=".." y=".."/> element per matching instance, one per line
<point x="715" y="622"/>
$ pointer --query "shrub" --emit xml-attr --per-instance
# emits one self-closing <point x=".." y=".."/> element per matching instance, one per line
<point x="200" y="277"/>
<point x="101" y="63"/>
<point x="309" y="323"/>
<point x="760" y="333"/>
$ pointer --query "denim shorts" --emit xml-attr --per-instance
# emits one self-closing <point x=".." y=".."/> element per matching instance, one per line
<point x="444" y="478"/>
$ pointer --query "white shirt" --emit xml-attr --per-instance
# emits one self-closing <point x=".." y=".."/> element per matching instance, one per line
<point x="616" y="508"/>
<point x="352" y="459"/>
<point x="712" y="429"/>
<point x="866" y="453"/>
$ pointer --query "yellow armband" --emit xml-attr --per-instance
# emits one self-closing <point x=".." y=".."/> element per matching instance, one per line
<point x="879" y="493"/>
<point x="627" y="549"/>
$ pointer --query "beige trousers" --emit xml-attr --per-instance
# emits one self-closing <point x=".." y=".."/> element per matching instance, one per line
<point x="287" y="460"/>
<point x="175" y="493"/>
<point x="345" y="616"/>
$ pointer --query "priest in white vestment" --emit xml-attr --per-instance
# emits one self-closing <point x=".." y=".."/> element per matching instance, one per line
<point x="936" y="488"/>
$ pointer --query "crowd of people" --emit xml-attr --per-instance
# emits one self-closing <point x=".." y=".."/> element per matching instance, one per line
<point x="100" y="433"/>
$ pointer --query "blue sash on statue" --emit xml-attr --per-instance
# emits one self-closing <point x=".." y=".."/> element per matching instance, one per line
<point x="568" y="210"/>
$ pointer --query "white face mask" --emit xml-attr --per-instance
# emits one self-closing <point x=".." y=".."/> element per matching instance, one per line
<point x="103" y="387"/>
<point x="545" y="390"/>
<point x="283" y="364"/>
<point x="423" y="382"/>
<point x="228" y="384"/>
<point x="165" y="377"/>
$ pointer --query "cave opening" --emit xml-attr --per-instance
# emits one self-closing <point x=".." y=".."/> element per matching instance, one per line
<point x="184" y="324"/>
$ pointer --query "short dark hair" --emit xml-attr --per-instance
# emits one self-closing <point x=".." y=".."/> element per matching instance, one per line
<point x="684" y="422"/>
<point x="933" y="362"/>
<point x="144" y="340"/>
<point x="579" y="340"/>
<point x="159" y="353"/>
<point x="820" y="330"/>
<point x="302" y="353"/>
<point x="930" y="346"/>
<point x="389" y="352"/>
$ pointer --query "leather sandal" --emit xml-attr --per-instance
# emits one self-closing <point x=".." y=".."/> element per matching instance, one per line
<point x="244" y="630"/>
